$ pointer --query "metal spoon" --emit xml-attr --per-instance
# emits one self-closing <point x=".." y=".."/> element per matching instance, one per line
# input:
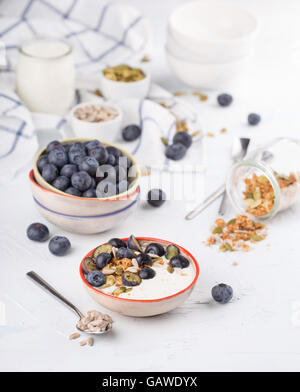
<point x="34" y="276"/>
<point x="239" y="149"/>
<point x="238" y="152"/>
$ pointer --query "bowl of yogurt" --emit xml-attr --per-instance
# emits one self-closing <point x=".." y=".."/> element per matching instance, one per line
<point x="139" y="276"/>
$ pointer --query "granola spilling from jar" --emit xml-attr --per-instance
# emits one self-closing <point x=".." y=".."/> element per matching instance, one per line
<point x="259" y="194"/>
<point x="236" y="234"/>
<point x="138" y="269"/>
<point x="123" y="73"/>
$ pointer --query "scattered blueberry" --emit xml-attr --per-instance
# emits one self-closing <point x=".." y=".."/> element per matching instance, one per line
<point x="90" y="165"/>
<point x="103" y="259"/>
<point x="117" y="243"/>
<point x="37" y="232"/>
<point x="224" y="99"/>
<point x="59" y="245"/>
<point x="58" y="158"/>
<point x="147" y="273"/>
<point x="156" y="197"/>
<point x="131" y="132"/>
<point x="49" y="172"/>
<point x="179" y="261"/>
<point x="99" y="153"/>
<point x="175" y="151"/>
<point x="124" y="253"/>
<point x="96" y="278"/>
<point x="81" y="181"/>
<point x="90" y="193"/>
<point x="155" y="249"/>
<point x="68" y="170"/>
<point x="183" y="138"/>
<point x="253" y="119"/>
<point x="61" y="183"/>
<point x="143" y="259"/>
<point x="222" y="293"/>
<point x="55" y="145"/>
<point x="73" y="191"/>
<point x="42" y="162"/>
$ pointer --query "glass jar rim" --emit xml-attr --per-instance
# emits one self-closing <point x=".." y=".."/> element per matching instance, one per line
<point x="270" y="176"/>
<point x="22" y="50"/>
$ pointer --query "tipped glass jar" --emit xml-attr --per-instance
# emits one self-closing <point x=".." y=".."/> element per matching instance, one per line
<point x="267" y="180"/>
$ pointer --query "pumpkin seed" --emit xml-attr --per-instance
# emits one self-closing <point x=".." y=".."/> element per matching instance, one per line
<point x="165" y="141"/>
<point x="106" y="248"/>
<point x="217" y="230"/>
<point x="119" y="271"/>
<point x="231" y="222"/>
<point x="170" y="269"/>
<point x="222" y="248"/>
<point x="256" y="237"/>
<point x="172" y="251"/>
<point x="228" y="246"/>
<point x="119" y="291"/>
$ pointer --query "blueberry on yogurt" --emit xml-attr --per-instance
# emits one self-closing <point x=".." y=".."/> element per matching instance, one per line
<point x="124" y="253"/>
<point x="117" y="243"/>
<point x="147" y="273"/>
<point x="59" y="246"/>
<point x="179" y="261"/>
<point x="143" y="259"/>
<point x="103" y="259"/>
<point x="38" y="232"/>
<point x="155" y="249"/>
<point x="96" y="278"/>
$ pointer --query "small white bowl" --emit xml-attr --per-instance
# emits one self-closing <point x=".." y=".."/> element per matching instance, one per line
<point x="87" y="224"/>
<point x="106" y="130"/>
<point x="213" y="26"/>
<point x="117" y="91"/>
<point x="208" y="76"/>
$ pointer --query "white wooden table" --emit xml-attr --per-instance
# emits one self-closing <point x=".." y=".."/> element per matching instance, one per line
<point x="259" y="330"/>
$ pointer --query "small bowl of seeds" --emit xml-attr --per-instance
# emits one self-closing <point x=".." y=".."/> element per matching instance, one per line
<point x="124" y="81"/>
<point x="97" y="120"/>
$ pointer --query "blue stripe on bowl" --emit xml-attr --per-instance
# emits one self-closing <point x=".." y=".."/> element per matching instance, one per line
<point x="92" y="216"/>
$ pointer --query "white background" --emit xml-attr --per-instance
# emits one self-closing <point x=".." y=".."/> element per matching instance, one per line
<point x="259" y="330"/>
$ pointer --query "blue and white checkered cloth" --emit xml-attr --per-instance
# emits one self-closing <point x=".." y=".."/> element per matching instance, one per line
<point x="101" y="33"/>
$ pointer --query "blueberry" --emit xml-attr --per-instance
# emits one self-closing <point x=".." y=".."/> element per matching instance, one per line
<point x="179" y="262"/>
<point x="90" y="165"/>
<point x="111" y="160"/>
<point x="124" y="253"/>
<point x="90" y="193"/>
<point x="253" y="119"/>
<point x="67" y="147"/>
<point x="105" y="189"/>
<point x="55" y="145"/>
<point x="92" y="144"/>
<point x="131" y="132"/>
<point x="175" y="151"/>
<point x="155" y="249"/>
<point x="99" y="153"/>
<point x="93" y="186"/>
<point x="49" y="172"/>
<point x="73" y="191"/>
<point x="78" y="146"/>
<point x="81" y="181"/>
<point x="37" y="232"/>
<point x="68" y="170"/>
<point x="183" y="138"/>
<point x="58" y="158"/>
<point x="103" y="259"/>
<point x="61" y="183"/>
<point x="96" y="278"/>
<point x="122" y="186"/>
<point x="114" y="151"/>
<point x="76" y="155"/>
<point x="42" y="162"/>
<point x="222" y="293"/>
<point x="156" y="197"/>
<point x="59" y="245"/>
<point x="117" y="243"/>
<point x="143" y="259"/>
<point x="224" y="99"/>
<point x="133" y="243"/>
<point x="147" y="273"/>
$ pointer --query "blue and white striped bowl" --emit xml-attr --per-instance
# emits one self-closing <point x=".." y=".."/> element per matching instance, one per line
<point x="87" y="224"/>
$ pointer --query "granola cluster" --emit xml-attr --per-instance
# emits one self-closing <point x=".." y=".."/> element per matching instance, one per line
<point x="259" y="193"/>
<point x="235" y="234"/>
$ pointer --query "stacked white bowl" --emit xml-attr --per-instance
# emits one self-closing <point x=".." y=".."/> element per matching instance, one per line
<point x="209" y="43"/>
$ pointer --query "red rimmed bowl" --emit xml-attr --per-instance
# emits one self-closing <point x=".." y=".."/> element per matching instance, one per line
<point x="143" y="307"/>
<point x="78" y="206"/>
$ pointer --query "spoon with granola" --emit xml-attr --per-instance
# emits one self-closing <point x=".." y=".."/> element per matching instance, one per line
<point x="94" y="323"/>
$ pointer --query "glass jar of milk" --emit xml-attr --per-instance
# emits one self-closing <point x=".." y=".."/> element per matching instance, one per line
<point x="45" y="75"/>
<point x="267" y="180"/>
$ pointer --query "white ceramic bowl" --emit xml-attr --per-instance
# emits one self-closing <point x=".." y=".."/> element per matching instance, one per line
<point x="104" y="130"/>
<point x="211" y="27"/>
<point x="206" y="57"/>
<point x="138" y="307"/>
<point x="117" y="91"/>
<point x="87" y="224"/>
<point x="79" y="206"/>
<point x="208" y="76"/>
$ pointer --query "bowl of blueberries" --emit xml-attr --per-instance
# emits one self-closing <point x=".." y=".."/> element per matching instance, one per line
<point x="85" y="181"/>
